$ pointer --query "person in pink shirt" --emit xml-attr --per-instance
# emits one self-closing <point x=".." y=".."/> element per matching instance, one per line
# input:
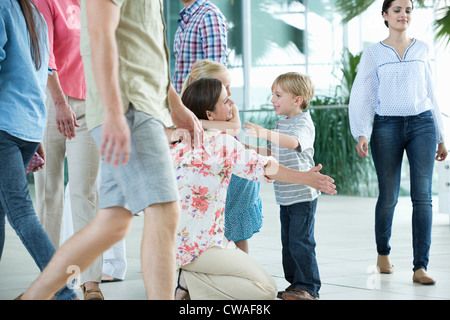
<point x="67" y="135"/>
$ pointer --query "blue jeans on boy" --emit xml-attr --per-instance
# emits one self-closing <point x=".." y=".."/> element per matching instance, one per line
<point x="298" y="252"/>
<point x="392" y="136"/>
<point x="16" y="204"/>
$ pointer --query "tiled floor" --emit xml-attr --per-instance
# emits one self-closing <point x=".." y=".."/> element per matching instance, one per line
<point x="345" y="252"/>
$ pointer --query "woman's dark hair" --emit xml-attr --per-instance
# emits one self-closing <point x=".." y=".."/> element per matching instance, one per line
<point x="201" y="96"/>
<point x="386" y="5"/>
<point x="29" y="10"/>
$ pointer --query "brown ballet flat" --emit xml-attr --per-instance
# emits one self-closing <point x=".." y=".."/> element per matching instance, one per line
<point x="422" y="277"/>
<point x="384" y="265"/>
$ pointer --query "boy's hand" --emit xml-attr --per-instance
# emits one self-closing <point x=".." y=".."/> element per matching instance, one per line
<point x="256" y="131"/>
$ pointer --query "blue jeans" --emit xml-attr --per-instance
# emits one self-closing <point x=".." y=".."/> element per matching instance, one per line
<point x="298" y="252"/>
<point x="16" y="204"/>
<point x="391" y="136"/>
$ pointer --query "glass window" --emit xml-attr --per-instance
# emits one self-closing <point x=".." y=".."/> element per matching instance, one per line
<point x="270" y="37"/>
<point x="285" y="35"/>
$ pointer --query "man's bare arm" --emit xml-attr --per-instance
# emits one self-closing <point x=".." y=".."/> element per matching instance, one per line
<point x="103" y="19"/>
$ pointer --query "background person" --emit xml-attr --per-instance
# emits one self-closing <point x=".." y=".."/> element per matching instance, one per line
<point x="394" y="90"/>
<point x="23" y="64"/>
<point x="202" y="34"/>
<point x="66" y="134"/>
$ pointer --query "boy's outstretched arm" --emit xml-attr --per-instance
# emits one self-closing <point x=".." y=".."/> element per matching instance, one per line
<point x="281" y="139"/>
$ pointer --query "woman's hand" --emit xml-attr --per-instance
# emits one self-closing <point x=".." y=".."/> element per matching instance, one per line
<point x="40" y="151"/>
<point x="363" y="147"/>
<point x="441" y="153"/>
<point x="66" y="120"/>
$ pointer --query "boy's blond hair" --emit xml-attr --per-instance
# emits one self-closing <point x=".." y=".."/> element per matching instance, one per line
<point x="204" y="69"/>
<point x="298" y="84"/>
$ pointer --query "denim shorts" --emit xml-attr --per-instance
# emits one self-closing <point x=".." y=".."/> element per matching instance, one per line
<point x="148" y="177"/>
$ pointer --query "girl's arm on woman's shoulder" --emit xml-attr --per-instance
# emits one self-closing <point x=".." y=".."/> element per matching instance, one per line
<point x="231" y="127"/>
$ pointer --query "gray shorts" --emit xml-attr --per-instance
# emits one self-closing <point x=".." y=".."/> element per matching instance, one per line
<point x="148" y="178"/>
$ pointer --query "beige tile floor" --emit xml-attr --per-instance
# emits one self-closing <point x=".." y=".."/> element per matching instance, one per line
<point x="345" y="251"/>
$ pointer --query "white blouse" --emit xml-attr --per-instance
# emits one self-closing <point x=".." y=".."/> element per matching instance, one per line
<point x="389" y="85"/>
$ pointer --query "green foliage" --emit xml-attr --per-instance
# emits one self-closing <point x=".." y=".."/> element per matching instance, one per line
<point x="352" y="8"/>
<point x="349" y="70"/>
<point x="334" y="148"/>
<point x="334" y="145"/>
<point x="442" y="25"/>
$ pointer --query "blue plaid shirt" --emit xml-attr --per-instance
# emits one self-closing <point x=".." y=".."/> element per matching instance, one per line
<point x="201" y="34"/>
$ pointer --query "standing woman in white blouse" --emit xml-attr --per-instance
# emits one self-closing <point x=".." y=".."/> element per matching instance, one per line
<point x="393" y="102"/>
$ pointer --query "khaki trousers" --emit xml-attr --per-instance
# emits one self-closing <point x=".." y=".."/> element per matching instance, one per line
<point x="228" y="274"/>
<point x="83" y="163"/>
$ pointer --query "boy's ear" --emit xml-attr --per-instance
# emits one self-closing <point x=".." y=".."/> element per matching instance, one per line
<point x="299" y="100"/>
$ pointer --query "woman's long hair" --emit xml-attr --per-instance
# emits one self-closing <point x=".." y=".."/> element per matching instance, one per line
<point x="29" y="12"/>
<point x="202" y="95"/>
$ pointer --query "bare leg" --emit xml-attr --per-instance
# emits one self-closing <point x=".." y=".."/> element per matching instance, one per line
<point x="158" y="250"/>
<point x="182" y="291"/>
<point x="243" y="245"/>
<point x="77" y="253"/>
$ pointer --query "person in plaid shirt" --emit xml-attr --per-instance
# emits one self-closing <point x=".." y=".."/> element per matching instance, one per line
<point x="202" y="34"/>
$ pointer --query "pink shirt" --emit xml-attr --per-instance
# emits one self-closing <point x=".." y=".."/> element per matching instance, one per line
<point x="64" y="27"/>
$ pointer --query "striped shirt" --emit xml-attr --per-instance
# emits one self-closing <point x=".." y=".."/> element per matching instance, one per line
<point x="202" y="34"/>
<point x="389" y="85"/>
<point x="302" y="128"/>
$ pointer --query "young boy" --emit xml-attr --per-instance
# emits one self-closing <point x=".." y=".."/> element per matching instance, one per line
<point x="292" y="144"/>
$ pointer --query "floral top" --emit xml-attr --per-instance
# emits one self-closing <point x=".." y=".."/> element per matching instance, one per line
<point x="203" y="176"/>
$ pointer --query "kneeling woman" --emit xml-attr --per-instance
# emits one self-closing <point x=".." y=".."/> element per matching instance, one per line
<point x="211" y="267"/>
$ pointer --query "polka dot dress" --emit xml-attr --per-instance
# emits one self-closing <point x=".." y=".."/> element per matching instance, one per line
<point x="243" y="209"/>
